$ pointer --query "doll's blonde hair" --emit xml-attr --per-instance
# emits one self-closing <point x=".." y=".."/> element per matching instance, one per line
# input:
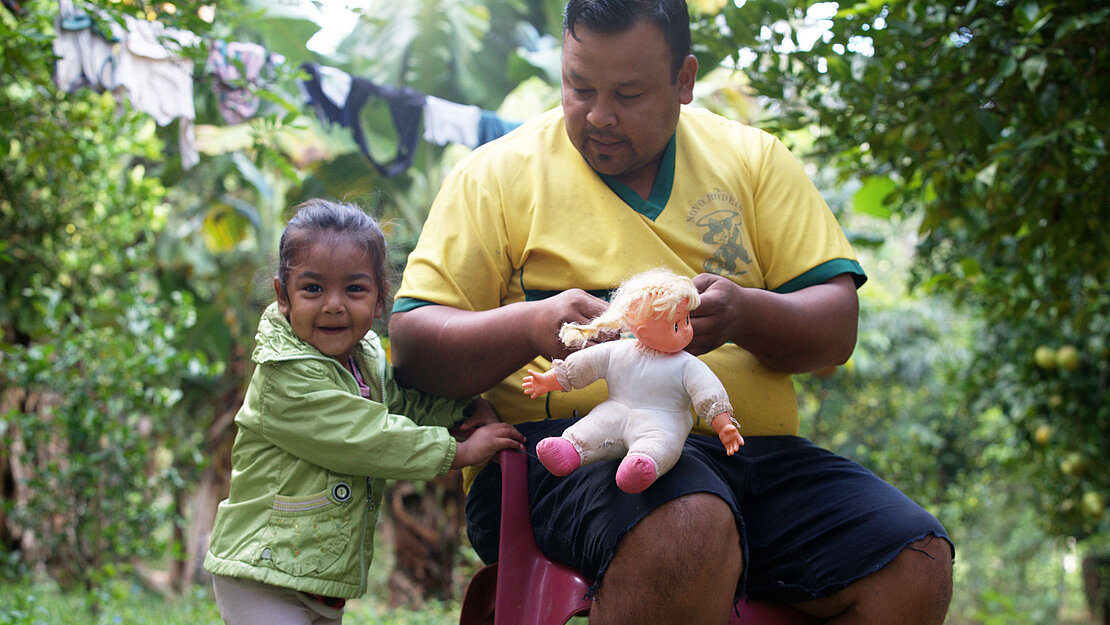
<point x="644" y="295"/>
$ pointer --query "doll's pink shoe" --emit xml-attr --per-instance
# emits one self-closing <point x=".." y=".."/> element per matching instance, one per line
<point x="558" y="455"/>
<point x="636" y="473"/>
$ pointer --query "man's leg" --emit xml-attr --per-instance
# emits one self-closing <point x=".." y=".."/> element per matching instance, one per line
<point x="914" y="588"/>
<point x="679" y="565"/>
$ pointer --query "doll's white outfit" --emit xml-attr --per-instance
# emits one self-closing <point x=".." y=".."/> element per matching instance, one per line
<point x="650" y="397"/>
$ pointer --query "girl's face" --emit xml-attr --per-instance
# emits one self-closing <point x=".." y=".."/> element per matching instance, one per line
<point x="333" y="297"/>
<point x="669" y="334"/>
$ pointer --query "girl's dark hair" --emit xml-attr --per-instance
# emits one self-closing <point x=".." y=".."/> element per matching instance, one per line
<point x="318" y="219"/>
<point x="614" y="16"/>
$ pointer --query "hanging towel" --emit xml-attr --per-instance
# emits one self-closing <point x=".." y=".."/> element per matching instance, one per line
<point x="447" y="122"/>
<point x="158" y="79"/>
<point x="132" y="60"/>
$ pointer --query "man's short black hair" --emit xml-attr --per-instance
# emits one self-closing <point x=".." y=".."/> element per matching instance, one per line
<point x="614" y="16"/>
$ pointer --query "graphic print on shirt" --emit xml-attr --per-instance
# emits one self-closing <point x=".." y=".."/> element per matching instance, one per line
<point x="717" y="216"/>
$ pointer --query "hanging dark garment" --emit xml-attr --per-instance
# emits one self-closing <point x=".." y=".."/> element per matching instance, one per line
<point x="406" y="106"/>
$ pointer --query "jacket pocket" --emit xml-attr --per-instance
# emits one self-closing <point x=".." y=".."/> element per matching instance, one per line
<point x="306" y="534"/>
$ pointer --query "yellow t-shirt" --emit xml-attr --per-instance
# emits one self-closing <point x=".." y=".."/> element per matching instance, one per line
<point x="525" y="217"/>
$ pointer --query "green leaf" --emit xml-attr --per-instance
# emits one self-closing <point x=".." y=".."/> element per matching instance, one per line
<point x="870" y="199"/>
<point x="1032" y="70"/>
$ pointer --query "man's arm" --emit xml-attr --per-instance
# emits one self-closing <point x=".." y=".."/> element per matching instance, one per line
<point x="795" y="332"/>
<point x="459" y="353"/>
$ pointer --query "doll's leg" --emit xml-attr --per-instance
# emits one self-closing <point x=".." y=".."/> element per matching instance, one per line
<point x="654" y="447"/>
<point x="559" y="455"/>
<point x="594" y="437"/>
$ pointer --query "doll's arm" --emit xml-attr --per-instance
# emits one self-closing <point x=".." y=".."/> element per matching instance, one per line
<point x="536" y="384"/>
<point x="728" y="430"/>
<point x="579" y="370"/>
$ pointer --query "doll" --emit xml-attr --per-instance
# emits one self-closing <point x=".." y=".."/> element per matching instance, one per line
<point x="652" y="383"/>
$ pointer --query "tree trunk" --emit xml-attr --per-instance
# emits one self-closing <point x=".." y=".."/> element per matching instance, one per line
<point x="428" y="519"/>
<point x="215" y="480"/>
<point x="1096" y="584"/>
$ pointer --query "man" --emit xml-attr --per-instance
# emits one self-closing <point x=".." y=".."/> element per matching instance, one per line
<point x="531" y="231"/>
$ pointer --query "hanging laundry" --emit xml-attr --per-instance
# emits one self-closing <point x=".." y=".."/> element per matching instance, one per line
<point x="491" y="126"/>
<point x="339" y="100"/>
<point x="85" y="58"/>
<point x="139" y="60"/>
<point x="159" y="80"/>
<point x="447" y="122"/>
<point x="238" y="67"/>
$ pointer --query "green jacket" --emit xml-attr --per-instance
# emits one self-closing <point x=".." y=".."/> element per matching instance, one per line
<point x="310" y="459"/>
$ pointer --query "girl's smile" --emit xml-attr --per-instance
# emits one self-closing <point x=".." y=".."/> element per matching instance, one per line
<point x="333" y="297"/>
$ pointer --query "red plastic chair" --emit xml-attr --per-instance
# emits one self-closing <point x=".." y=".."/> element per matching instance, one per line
<point x="525" y="588"/>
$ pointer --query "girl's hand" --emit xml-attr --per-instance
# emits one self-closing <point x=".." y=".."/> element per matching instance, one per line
<point x="485" y="442"/>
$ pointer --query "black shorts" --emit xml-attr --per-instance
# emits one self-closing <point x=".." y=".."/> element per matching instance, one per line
<point x="811" y="522"/>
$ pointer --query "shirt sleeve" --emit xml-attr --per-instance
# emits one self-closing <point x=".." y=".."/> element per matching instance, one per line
<point x="463" y="256"/>
<point x="800" y="242"/>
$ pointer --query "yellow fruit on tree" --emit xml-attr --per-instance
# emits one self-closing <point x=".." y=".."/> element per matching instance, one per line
<point x="1042" y="434"/>
<point x="1045" y="357"/>
<point x="1067" y="357"/>
<point x="1094" y="504"/>
<point x="1074" y="464"/>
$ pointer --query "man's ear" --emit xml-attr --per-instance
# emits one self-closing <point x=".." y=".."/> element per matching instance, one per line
<point x="282" y="301"/>
<point x="686" y="75"/>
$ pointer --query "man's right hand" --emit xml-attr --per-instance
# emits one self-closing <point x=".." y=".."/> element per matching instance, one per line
<point x="459" y="353"/>
<point x="572" y="306"/>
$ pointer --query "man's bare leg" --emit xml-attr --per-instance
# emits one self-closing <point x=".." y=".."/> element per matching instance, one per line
<point x="914" y="589"/>
<point x="680" y="565"/>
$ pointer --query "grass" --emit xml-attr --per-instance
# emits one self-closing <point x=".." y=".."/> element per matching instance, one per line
<point x="124" y="603"/>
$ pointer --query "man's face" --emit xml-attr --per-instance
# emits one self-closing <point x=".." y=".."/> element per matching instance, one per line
<point x="620" y="103"/>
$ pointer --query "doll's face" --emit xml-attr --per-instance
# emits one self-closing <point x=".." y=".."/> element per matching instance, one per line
<point x="669" y="334"/>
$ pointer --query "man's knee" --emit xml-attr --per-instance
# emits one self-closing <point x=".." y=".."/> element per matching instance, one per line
<point x="914" y="588"/>
<point x="693" y="530"/>
<point x="694" y="540"/>
<point x="934" y="555"/>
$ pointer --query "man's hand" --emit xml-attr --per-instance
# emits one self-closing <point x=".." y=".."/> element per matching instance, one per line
<point x="572" y="306"/>
<point x="793" y="332"/>
<point x="716" y="319"/>
<point x="483" y="347"/>
<point x="481" y="413"/>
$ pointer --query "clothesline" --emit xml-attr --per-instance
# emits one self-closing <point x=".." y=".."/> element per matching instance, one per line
<point x="142" y="60"/>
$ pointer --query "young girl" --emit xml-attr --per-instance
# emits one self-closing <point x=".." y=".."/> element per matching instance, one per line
<point x="652" y="384"/>
<point x="323" y="425"/>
